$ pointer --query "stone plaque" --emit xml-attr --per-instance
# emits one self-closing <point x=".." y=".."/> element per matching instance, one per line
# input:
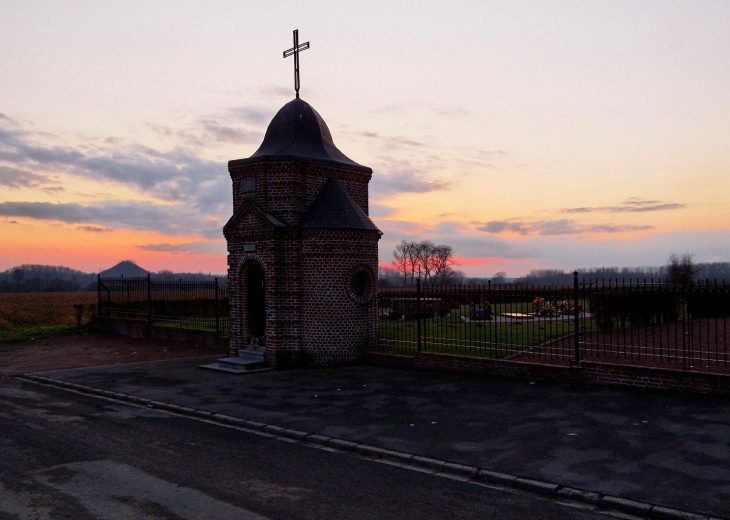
<point x="247" y="185"/>
<point x="249" y="248"/>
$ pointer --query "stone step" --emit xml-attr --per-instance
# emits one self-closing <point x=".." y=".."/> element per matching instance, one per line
<point x="247" y="362"/>
<point x="251" y="354"/>
<point x="242" y="362"/>
<point x="235" y="369"/>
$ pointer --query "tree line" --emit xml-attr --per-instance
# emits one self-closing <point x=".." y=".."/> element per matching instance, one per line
<point x="45" y="278"/>
<point x="433" y="264"/>
<point x="679" y="269"/>
<point x="48" y="278"/>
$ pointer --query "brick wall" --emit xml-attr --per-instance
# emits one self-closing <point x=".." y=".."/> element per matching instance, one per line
<point x="285" y="189"/>
<point x="337" y="326"/>
<point x="643" y="377"/>
<point x="278" y="252"/>
<point x="591" y="373"/>
<point x="208" y="340"/>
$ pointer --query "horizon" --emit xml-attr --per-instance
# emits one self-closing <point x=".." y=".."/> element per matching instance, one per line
<point x="525" y="135"/>
<point x="547" y="271"/>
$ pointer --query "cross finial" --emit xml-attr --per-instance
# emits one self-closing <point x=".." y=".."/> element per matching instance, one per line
<point x="295" y="51"/>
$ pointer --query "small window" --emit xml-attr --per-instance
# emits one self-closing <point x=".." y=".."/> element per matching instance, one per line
<point x="360" y="286"/>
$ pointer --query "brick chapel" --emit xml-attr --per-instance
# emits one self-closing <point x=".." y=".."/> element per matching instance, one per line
<point x="302" y="251"/>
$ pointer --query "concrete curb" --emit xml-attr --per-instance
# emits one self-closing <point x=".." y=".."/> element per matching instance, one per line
<point x="631" y="507"/>
<point x="435" y="466"/>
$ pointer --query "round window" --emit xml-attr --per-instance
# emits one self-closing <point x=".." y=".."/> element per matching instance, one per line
<point x="361" y="285"/>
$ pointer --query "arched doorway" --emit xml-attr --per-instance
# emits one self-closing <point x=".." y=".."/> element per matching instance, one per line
<point x="256" y="302"/>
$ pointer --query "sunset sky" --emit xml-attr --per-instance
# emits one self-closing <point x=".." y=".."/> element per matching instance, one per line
<point x="525" y="134"/>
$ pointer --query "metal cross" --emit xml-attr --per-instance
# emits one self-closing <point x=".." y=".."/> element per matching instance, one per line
<point x="295" y="51"/>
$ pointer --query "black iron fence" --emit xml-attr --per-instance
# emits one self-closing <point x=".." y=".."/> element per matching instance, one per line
<point x="180" y="303"/>
<point x="649" y="323"/>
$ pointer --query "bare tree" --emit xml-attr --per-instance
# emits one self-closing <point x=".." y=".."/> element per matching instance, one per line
<point x="443" y="259"/>
<point x="424" y="258"/>
<point x="401" y="258"/>
<point x="414" y="255"/>
<point x="499" y="277"/>
<point x="681" y="269"/>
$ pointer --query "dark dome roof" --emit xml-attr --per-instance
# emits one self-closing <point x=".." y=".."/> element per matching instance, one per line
<point x="299" y="132"/>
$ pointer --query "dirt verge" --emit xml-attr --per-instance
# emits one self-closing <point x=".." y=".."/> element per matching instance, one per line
<point x="89" y="350"/>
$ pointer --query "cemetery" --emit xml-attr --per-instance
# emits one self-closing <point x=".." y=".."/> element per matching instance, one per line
<point x="656" y="324"/>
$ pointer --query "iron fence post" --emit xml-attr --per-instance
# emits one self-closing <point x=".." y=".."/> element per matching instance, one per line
<point x="684" y="325"/>
<point x="690" y="333"/>
<point x="376" y="325"/>
<point x="217" y="314"/>
<point x="125" y="287"/>
<point x="418" y="313"/>
<point x="149" y="298"/>
<point x="490" y="300"/>
<point x="98" y="293"/>
<point x="576" y="314"/>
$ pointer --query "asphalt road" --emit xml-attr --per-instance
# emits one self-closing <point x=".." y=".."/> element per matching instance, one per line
<point x="65" y="455"/>
<point x="661" y="448"/>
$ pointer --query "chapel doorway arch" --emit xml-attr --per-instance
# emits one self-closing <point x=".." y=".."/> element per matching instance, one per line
<point x="255" y="307"/>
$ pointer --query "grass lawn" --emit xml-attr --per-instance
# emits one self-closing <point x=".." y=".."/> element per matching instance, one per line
<point x="28" y="333"/>
<point x="488" y="339"/>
